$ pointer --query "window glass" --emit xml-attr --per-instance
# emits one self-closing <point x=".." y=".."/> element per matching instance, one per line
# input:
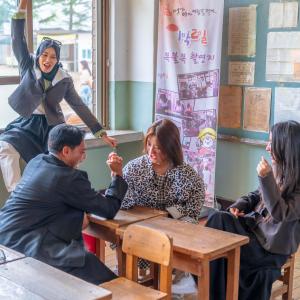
<point x="8" y="63"/>
<point x="69" y="22"/>
<point x="7" y="114"/>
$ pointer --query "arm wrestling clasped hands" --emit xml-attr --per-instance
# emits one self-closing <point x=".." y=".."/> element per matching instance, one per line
<point x="263" y="168"/>
<point x="115" y="163"/>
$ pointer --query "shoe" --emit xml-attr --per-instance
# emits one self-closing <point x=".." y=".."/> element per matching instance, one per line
<point x="186" y="285"/>
<point x="177" y="297"/>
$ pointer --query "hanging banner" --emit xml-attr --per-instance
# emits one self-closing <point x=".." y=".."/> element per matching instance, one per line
<point x="187" y="81"/>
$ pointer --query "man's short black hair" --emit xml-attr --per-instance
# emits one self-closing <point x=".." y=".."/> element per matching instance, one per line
<point x="64" y="135"/>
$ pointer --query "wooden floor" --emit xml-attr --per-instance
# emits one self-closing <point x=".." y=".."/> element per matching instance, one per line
<point x="110" y="260"/>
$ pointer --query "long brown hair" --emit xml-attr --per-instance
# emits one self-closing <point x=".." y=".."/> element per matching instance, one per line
<point x="168" y="137"/>
<point x="285" y="148"/>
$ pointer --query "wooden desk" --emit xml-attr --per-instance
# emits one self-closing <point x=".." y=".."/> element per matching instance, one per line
<point x="9" y="255"/>
<point x="194" y="246"/>
<point x="105" y="230"/>
<point x="30" y="279"/>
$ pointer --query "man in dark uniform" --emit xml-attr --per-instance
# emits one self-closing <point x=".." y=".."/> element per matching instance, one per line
<point x="43" y="216"/>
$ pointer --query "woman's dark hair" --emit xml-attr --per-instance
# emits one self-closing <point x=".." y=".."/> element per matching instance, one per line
<point x="285" y="149"/>
<point x="64" y="135"/>
<point x="168" y="137"/>
<point x="85" y="66"/>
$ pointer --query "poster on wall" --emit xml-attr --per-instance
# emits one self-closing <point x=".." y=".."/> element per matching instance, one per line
<point x="187" y="79"/>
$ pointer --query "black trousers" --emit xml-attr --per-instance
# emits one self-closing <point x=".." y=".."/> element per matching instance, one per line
<point x="93" y="271"/>
<point x="258" y="267"/>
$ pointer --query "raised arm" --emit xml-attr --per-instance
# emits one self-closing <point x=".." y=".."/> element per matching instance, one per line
<point x="19" y="44"/>
<point x="279" y="208"/>
<point x="23" y="5"/>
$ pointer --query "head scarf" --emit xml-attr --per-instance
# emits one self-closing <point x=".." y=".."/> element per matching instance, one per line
<point x="45" y="44"/>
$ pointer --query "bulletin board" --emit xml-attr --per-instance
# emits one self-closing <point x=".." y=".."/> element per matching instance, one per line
<point x="262" y="30"/>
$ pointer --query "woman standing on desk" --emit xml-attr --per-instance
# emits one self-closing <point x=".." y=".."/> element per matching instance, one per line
<point x="269" y="216"/>
<point x="44" y="84"/>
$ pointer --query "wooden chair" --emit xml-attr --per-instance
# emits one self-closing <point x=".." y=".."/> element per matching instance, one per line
<point x="150" y="244"/>
<point x="284" y="285"/>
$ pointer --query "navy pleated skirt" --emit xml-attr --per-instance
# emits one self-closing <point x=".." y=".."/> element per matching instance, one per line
<point x="258" y="267"/>
<point x="28" y="136"/>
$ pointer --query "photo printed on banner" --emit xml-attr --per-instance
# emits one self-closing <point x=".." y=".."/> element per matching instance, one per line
<point x="198" y="137"/>
<point x="198" y="85"/>
<point x="205" y="168"/>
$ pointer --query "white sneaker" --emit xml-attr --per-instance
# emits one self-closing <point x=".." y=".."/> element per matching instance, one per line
<point x="186" y="285"/>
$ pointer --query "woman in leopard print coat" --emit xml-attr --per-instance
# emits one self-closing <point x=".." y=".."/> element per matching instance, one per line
<point x="161" y="179"/>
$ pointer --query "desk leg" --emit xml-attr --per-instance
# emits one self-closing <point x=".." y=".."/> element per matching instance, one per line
<point x="121" y="258"/>
<point x="233" y="272"/>
<point x="100" y="249"/>
<point x="203" y="280"/>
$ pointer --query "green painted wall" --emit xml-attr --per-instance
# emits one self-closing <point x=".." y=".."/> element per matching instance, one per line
<point x="236" y="168"/>
<point x="95" y="164"/>
<point x="131" y="105"/>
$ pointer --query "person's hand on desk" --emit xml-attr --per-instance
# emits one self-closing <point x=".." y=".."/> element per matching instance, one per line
<point x="115" y="164"/>
<point x="236" y="212"/>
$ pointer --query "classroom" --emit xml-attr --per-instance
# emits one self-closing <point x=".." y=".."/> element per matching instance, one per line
<point x="148" y="149"/>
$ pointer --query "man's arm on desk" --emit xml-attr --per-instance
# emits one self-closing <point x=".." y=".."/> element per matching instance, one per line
<point x="82" y="196"/>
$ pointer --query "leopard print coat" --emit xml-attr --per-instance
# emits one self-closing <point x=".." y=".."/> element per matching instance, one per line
<point x="181" y="187"/>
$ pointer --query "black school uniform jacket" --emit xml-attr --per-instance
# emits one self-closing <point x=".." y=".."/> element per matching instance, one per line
<point x="43" y="216"/>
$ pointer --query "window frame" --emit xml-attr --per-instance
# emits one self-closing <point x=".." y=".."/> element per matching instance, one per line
<point x="100" y="53"/>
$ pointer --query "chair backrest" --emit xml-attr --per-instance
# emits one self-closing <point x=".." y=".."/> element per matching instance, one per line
<point x="285" y="289"/>
<point x="147" y="243"/>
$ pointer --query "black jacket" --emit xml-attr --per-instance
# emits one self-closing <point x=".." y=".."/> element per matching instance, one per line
<point x="43" y="216"/>
<point x="274" y="220"/>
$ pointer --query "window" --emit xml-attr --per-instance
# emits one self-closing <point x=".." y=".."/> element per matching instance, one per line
<point x="70" y="22"/>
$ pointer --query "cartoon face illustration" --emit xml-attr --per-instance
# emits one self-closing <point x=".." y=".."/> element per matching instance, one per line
<point x="207" y="141"/>
<point x="207" y="137"/>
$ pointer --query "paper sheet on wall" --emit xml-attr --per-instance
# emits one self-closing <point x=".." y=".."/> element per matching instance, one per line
<point x="283" y="56"/>
<point x="257" y="104"/>
<point x="287" y="104"/>
<point x="230" y="107"/>
<point x="241" y="73"/>
<point x="283" y="15"/>
<point x="242" y="31"/>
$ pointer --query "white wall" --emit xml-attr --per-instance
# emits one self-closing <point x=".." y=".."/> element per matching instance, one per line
<point x="133" y="40"/>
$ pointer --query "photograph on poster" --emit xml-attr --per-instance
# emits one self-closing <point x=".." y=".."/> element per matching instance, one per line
<point x="198" y="85"/>
<point x="166" y="101"/>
